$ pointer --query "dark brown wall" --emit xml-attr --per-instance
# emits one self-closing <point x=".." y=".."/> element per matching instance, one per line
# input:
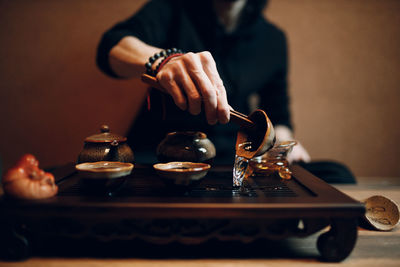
<point x="345" y="62"/>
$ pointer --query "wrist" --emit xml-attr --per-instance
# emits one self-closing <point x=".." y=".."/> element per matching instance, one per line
<point x="159" y="59"/>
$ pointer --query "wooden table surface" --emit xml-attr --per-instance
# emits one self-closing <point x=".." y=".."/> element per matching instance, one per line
<point x="373" y="248"/>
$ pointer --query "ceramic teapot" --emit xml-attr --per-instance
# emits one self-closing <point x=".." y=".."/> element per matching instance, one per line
<point x="186" y="146"/>
<point x="106" y="146"/>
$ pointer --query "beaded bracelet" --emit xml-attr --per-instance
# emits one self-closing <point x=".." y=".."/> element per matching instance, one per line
<point x="165" y="60"/>
<point x="164" y="53"/>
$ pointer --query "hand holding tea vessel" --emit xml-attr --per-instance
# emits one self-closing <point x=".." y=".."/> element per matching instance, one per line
<point x="236" y="116"/>
<point x="191" y="79"/>
<point x="256" y="129"/>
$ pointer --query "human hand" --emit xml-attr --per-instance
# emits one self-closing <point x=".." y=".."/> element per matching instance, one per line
<point x="193" y="79"/>
<point x="298" y="153"/>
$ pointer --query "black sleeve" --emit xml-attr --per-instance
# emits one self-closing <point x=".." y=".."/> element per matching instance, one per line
<point x="274" y="98"/>
<point x="150" y="24"/>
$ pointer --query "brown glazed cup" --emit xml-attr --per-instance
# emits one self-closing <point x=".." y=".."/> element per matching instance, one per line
<point x="103" y="177"/>
<point x="182" y="173"/>
<point x="186" y="146"/>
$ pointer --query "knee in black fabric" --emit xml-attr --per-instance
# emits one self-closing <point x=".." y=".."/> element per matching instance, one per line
<point x="330" y="171"/>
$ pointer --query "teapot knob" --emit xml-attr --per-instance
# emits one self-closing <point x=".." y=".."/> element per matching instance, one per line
<point x="104" y="128"/>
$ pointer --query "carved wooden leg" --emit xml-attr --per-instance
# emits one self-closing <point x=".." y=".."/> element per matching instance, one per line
<point x="336" y="244"/>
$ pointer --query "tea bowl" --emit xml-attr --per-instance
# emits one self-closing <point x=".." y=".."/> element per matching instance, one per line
<point x="182" y="172"/>
<point x="103" y="177"/>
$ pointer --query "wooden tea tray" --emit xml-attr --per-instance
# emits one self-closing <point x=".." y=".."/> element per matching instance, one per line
<point x="151" y="211"/>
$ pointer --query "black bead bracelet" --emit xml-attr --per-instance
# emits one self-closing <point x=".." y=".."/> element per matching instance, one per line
<point x="165" y="54"/>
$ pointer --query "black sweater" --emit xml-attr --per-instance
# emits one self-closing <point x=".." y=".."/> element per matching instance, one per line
<point x="252" y="59"/>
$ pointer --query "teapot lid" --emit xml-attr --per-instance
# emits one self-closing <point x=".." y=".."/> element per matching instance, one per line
<point x="105" y="136"/>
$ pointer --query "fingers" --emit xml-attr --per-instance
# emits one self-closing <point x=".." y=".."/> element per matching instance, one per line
<point x="210" y="68"/>
<point x="195" y="67"/>
<point x="193" y="96"/>
<point x="178" y="83"/>
<point x="298" y="154"/>
<point x="193" y="79"/>
<point x="167" y="81"/>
